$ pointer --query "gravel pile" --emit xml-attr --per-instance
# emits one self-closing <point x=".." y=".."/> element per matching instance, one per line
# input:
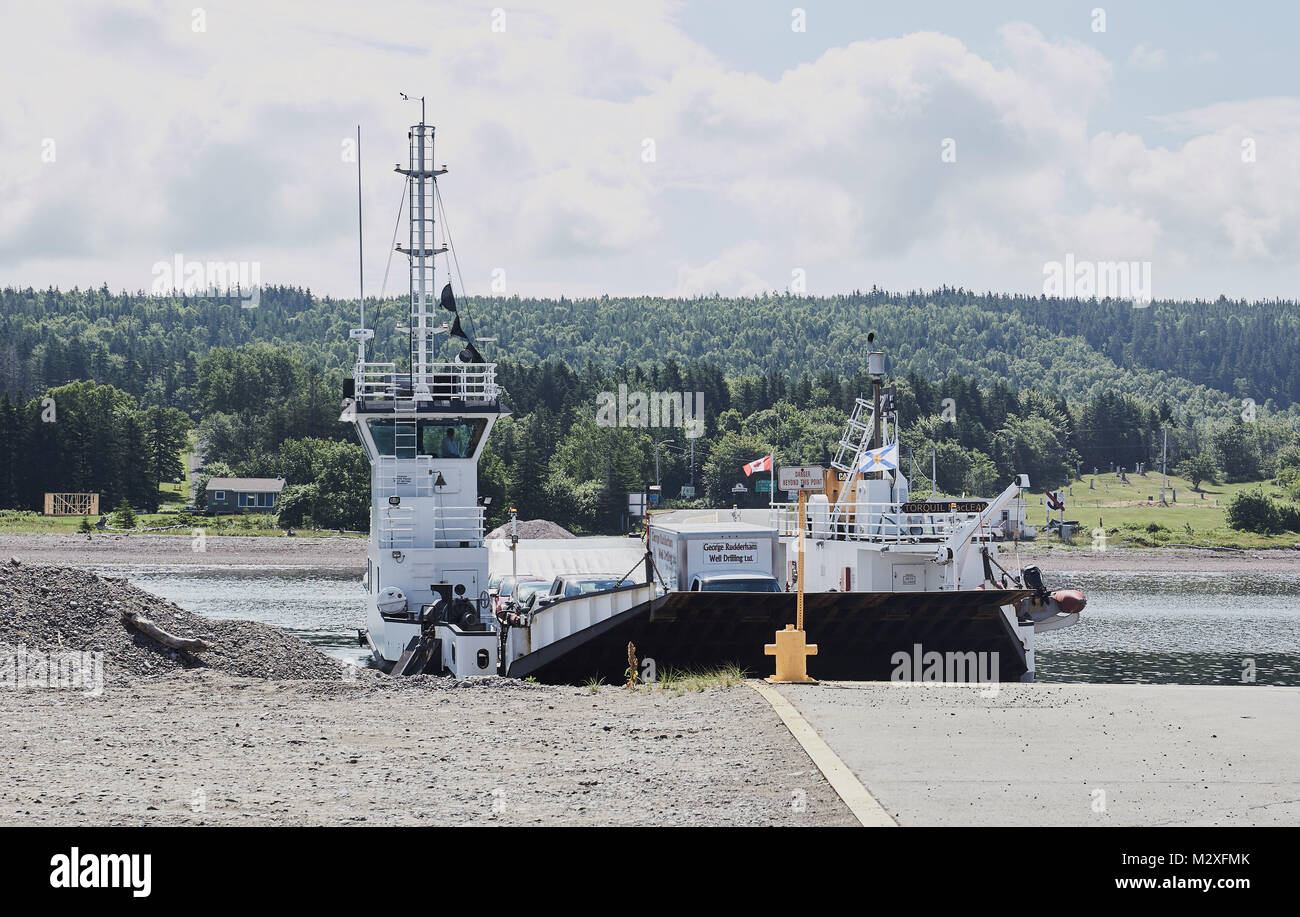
<point x="533" y="528"/>
<point x="65" y="608"/>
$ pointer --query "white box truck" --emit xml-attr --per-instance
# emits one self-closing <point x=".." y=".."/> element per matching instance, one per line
<point x="716" y="556"/>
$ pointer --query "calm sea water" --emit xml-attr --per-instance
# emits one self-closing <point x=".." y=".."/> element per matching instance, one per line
<point x="323" y="607"/>
<point x="1210" y="628"/>
<point x="1183" y="628"/>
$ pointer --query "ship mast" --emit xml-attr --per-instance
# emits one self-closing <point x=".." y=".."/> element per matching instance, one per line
<point x="361" y="263"/>
<point x="421" y="251"/>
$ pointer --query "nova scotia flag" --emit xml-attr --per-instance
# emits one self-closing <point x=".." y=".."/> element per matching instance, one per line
<point x="885" y="459"/>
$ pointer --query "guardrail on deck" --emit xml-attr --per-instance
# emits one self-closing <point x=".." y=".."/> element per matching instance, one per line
<point x="872" y="522"/>
<point x="474" y="382"/>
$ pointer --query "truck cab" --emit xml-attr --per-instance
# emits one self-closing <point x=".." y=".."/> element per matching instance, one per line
<point x="735" y="582"/>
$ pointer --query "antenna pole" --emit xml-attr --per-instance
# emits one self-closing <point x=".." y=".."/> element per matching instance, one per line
<point x="361" y="261"/>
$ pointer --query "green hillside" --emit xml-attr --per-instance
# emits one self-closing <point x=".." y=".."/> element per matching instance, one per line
<point x="1205" y="355"/>
<point x="988" y="385"/>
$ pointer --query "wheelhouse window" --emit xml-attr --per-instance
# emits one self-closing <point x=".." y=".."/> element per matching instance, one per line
<point x="451" y="437"/>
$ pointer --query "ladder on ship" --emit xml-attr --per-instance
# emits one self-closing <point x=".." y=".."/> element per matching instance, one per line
<point x="397" y="523"/>
<point x="406" y="437"/>
<point x="852" y="449"/>
<point x="856" y="439"/>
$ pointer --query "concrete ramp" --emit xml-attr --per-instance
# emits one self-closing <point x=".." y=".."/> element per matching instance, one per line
<point x="1074" y="754"/>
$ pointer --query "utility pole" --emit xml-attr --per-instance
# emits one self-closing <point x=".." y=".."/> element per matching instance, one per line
<point x="514" y="544"/>
<point x="1164" y="455"/>
<point x="657" y="445"/>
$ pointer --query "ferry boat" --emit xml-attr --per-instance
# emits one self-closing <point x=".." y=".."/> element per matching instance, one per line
<point x="886" y="579"/>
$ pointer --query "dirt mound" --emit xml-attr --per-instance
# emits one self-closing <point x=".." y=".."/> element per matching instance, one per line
<point x="533" y="528"/>
<point x="68" y="609"/>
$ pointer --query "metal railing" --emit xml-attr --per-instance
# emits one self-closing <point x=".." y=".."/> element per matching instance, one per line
<point x="375" y="381"/>
<point x="396" y="527"/>
<point x="457" y="526"/>
<point x="882" y="523"/>
<point x="407" y="526"/>
<point x="471" y="382"/>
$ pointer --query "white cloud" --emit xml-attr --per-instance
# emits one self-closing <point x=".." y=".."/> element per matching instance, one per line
<point x="1209" y="202"/>
<point x="1145" y="57"/>
<point x="733" y="273"/>
<point x="226" y="144"/>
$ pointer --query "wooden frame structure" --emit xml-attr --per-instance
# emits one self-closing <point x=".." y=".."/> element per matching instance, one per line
<point x="71" y="504"/>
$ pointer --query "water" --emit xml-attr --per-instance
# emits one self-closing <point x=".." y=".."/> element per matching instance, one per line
<point x="1180" y="628"/>
<point x="322" y="606"/>
<point x="1199" y="628"/>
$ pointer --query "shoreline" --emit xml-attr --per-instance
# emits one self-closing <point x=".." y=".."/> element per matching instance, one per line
<point x="349" y="553"/>
<point x="321" y="552"/>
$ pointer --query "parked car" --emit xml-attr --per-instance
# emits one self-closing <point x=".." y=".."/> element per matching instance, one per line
<point x="569" y="585"/>
<point x="526" y="593"/>
<point x="506" y="589"/>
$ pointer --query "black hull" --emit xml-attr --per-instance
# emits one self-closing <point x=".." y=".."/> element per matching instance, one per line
<point x="857" y="634"/>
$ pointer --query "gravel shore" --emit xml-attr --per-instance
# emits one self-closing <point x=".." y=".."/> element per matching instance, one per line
<point x="217" y="550"/>
<point x="204" y="748"/>
<point x="65" y="610"/>
<point x="257" y="727"/>
<point x="1159" y="560"/>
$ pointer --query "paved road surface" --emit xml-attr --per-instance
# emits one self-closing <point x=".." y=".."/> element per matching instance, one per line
<point x="1038" y="754"/>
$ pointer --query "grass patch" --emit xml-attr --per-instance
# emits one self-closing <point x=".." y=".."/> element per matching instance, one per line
<point x="1133" y="517"/>
<point x="176" y="494"/>
<point x="683" y="681"/>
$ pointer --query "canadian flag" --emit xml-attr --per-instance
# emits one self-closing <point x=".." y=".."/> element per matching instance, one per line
<point x="763" y="464"/>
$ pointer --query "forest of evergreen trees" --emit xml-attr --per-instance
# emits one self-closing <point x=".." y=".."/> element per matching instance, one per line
<point x="1040" y="387"/>
<point x="1203" y="355"/>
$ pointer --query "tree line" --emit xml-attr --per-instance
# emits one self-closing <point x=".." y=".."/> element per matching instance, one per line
<point x="1207" y="355"/>
<point x="988" y="385"/>
<point x="266" y="413"/>
<point x="83" y="437"/>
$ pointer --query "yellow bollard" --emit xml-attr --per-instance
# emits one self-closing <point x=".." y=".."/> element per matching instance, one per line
<point x="791" y="648"/>
<point x="791" y="651"/>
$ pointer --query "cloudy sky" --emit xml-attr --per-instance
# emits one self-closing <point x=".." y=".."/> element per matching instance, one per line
<point x="658" y="147"/>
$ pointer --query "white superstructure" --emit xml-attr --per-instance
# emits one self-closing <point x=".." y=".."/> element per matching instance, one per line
<point x="423" y="427"/>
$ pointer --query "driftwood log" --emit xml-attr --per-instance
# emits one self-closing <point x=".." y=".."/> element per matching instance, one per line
<point x="153" y="631"/>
